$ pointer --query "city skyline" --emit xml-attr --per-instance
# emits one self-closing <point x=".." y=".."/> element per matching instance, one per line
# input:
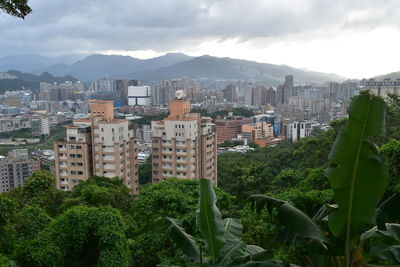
<point x="356" y="39"/>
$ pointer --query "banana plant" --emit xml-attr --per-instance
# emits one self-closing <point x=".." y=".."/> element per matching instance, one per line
<point x="224" y="246"/>
<point x="358" y="176"/>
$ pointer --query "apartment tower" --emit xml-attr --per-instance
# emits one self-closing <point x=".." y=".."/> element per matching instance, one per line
<point x="100" y="145"/>
<point x="184" y="144"/>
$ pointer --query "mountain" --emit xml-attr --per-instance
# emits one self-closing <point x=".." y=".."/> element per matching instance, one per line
<point x="233" y="69"/>
<point x="33" y="62"/>
<point x="94" y="66"/>
<point x="392" y="76"/>
<point x="30" y="81"/>
<point x="168" y="66"/>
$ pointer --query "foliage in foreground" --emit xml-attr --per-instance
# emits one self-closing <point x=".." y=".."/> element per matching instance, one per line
<point x="222" y="238"/>
<point x="358" y="175"/>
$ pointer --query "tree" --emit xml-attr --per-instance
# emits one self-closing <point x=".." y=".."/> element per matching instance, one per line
<point x="100" y="191"/>
<point x="170" y="198"/>
<point x="38" y="190"/>
<point x="17" y="8"/>
<point x="222" y="238"/>
<point x="358" y="176"/>
<point x="145" y="172"/>
<point x="81" y="236"/>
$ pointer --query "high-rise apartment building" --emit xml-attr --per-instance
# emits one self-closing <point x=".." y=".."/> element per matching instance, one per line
<point x="100" y="145"/>
<point x="15" y="169"/>
<point x="270" y="97"/>
<point x="184" y="144"/>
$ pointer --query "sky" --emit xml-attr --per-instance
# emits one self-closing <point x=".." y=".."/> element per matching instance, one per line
<point x="353" y="38"/>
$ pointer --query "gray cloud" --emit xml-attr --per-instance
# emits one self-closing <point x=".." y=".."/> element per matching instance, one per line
<point x="61" y="27"/>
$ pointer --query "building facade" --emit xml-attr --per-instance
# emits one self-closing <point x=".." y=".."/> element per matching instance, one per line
<point x="257" y="131"/>
<point x="228" y="128"/>
<point x="16" y="169"/>
<point x="100" y="145"/>
<point x="184" y="145"/>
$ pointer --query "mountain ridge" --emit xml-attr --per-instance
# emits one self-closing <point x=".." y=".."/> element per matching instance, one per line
<point x="175" y="65"/>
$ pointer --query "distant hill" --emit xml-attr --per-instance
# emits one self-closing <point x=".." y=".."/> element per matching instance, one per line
<point x="168" y="66"/>
<point x="392" y="75"/>
<point x="234" y="69"/>
<point x="30" y="81"/>
<point x="33" y="62"/>
<point x="94" y="66"/>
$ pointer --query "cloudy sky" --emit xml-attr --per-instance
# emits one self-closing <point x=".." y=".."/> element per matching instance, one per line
<point x="354" y="38"/>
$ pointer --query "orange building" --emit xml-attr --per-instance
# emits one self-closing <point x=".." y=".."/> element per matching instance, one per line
<point x="257" y="131"/>
<point x="229" y="127"/>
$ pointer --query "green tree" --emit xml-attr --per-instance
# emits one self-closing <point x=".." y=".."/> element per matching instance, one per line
<point x="17" y="8"/>
<point x="81" y="236"/>
<point x="145" y="172"/>
<point x="170" y="198"/>
<point x="358" y="176"/>
<point x="100" y="191"/>
<point x="223" y="238"/>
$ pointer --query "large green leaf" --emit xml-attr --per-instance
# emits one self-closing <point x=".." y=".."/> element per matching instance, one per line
<point x="293" y="219"/>
<point x="258" y="259"/>
<point x="388" y="211"/>
<point x="358" y="173"/>
<point x="234" y="247"/>
<point x="183" y="240"/>
<point x="392" y="231"/>
<point x="209" y="220"/>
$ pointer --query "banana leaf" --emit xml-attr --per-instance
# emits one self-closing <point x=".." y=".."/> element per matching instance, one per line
<point x="297" y="222"/>
<point x="209" y="220"/>
<point x="358" y="174"/>
<point x="185" y="241"/>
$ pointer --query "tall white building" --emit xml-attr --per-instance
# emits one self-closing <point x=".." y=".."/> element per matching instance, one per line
<point x="139" y="95"/>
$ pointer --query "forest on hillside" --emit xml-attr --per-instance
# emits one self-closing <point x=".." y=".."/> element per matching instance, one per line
<point x="99" y="223"/>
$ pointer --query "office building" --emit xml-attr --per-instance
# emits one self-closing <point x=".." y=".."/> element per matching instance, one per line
<point x="184" y="144"/>
<point x="139" y="95"/>
<point x="289" y="84"/>
<point x="100" y="145"/>
<point x="121" y="89"/>
<point x="228" y="128"/>
<point x="15" y="169"/>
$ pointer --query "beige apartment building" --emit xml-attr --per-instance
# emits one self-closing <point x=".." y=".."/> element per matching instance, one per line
<point x="184" y="144"/>
<point x="100" y="145"/>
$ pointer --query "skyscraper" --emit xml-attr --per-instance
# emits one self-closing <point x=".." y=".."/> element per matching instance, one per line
<point x="289" y="84"/>
<point x="230" y="93"/>
<point x="100" y="145"/>
<point x="184" y="144"/>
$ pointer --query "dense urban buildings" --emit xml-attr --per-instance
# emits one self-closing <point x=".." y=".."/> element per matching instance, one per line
<point x="16" y="168"/>
<point x="99" y="145"/>
<point x="183" y="144"/>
